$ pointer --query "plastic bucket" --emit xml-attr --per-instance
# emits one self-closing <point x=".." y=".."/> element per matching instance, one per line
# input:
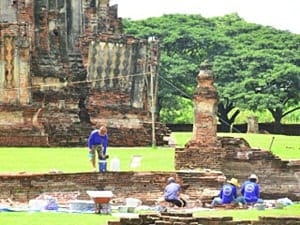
<point x="102" y="166"/>
<point x="115" y="164"/>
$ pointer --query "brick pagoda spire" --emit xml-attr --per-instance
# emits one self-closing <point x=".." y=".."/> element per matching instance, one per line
<point x="205" y="108"/>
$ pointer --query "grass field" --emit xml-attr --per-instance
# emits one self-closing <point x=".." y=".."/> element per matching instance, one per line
<point x="40" y="160"/>
<point x="68" y="160"/>
<point x="153" y="159"/>
<point x="54" y="218"/>
<point x="286" y="147"/>
<point x="292" y="210"/>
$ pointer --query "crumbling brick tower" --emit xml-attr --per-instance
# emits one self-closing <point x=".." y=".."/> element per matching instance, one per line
<point x="203" y="150"/>
<point x="205" y="106"/>
<point x="66" y="66"/>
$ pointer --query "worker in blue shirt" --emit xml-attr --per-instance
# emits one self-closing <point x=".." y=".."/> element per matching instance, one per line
<point x="172" y="192"/>
<point x="228" y="193"/>
<point x="251" y="190"/>
<point x="98" y="142"/>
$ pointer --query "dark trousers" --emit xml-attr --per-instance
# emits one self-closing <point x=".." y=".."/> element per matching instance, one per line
<point x="99" y="150"/>
<point x="178" y="202"/>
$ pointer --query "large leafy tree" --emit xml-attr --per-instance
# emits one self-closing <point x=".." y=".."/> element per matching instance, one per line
<point x="262" y="72"/>
<point x="185" y="42"/>
<point x="256" y="67"/>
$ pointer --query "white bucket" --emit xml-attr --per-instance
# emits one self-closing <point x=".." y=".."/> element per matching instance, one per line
<point x="135" y="161"/>
<point x="133" y="202"/>
<point x="115" y="164"/>
<point x="37" y="204"/>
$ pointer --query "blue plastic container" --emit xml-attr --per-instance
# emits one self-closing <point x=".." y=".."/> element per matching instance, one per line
<point x="102" y="166"/>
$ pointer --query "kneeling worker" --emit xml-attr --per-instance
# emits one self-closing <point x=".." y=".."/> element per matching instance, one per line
<point x="172" y="193"/>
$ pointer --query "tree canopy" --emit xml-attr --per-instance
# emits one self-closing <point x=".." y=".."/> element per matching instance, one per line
<point x="256" y="67"/>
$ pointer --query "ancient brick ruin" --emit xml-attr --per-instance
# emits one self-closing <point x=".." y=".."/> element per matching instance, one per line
<point x="233" y="156"/>
<point x="66" y="66"/>
<point x="201" y="166"/>
<point x="179" y="218"/>
<point x="200" y="169"/>
<point x="146" y="186"/>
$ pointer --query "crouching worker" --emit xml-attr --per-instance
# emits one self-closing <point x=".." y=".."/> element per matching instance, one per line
<point x="228" y="193"/>
<point x="172" y="193"/>
<point x="97" y="143"/>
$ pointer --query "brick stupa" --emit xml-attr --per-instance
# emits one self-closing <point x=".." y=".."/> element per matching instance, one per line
<point x="203" y="150"/>
<point x="205" y="105"/>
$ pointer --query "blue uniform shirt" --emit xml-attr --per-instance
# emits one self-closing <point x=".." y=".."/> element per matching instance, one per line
<point x="171" y="191"/>
<point x="250" y="191"/>
<point x="228" y="193"/>
<point x="96" y="139"/>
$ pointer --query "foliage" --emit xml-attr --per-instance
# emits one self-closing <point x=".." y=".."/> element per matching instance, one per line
<point x="266" y="117"/>
<point x="181" y="113"/>
<point x="256" y="67"/>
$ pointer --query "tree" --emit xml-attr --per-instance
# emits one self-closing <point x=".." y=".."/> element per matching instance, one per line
<point x="261" y="73"/>
<point x="228" y="86"/>
<point x="279" y="93"/>
<point x="185" y="42"/>
<point x="250" y="62"/>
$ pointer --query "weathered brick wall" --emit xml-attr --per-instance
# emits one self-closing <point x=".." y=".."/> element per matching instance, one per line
<point x="14" y="64"/>
<point x="235" y="158"/>
<point x="68" y="63"/>
<point x="146" y="186"/>
<point x="22" y="123"/>
<point x="7" y="11"/>
<point x="179" y="218"/>
<point x="108" y="110"/>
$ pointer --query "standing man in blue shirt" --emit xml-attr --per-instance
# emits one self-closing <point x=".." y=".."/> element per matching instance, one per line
<point x="172" y="192"/>
<point x="251" y="190"/>
<point x="98" y="142"/>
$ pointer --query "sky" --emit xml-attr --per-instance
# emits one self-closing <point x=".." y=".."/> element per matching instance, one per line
<point x="280" y="14"/>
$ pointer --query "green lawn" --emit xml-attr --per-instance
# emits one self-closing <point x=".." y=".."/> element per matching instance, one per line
<point x="53" y="218"/>
<point x="42" y="160"/>
<point x="153" y="159"/>
<point x="57" y="218"/>
<point x="76" y="159"/>
<point x="292" y="210"/>
<point x="286" y="147"/>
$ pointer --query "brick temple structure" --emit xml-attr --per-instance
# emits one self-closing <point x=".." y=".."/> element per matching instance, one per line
<point x="233" y="156"/>
<point x="202" y="166"/>
<point x="66" y="66"/>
